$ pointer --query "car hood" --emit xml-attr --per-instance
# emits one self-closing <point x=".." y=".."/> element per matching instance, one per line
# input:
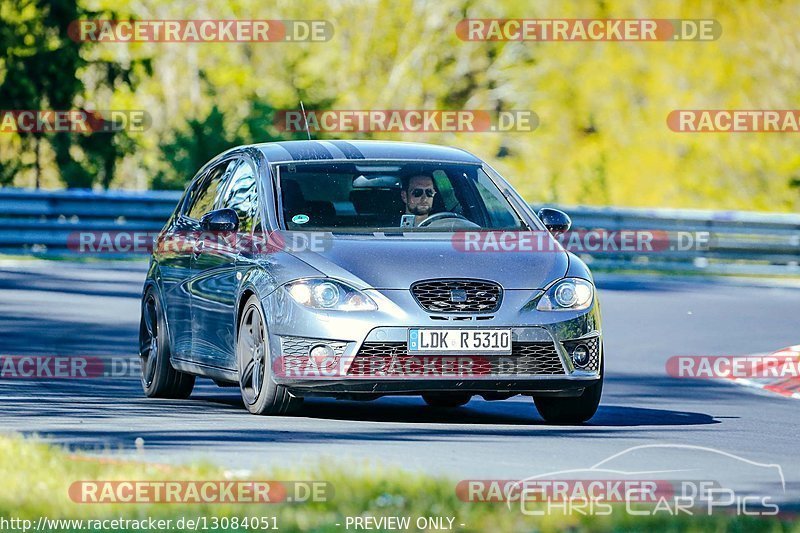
<point x="398" y="261"/>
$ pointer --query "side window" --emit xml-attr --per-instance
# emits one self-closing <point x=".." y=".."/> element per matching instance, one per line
<point x="258" y="228"/>
<point x="496" y="205"/>
<point x="242" y="194"/>
<point x="208" y="192"/>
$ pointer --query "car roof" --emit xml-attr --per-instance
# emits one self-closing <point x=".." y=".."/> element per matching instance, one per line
<point x="288" y="151"/>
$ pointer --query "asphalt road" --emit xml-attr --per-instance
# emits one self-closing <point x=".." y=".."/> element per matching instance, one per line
<point x="91" y="309"/>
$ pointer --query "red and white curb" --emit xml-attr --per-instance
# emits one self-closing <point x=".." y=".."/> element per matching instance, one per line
<point x="788" y="387"/>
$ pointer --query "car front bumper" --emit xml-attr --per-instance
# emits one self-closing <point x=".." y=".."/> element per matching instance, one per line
<point x="370" y="356"/>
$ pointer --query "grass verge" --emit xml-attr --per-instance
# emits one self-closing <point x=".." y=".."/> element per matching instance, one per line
<point x="37" y="479"/>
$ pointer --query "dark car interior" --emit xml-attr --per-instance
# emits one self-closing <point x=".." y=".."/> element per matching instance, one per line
<point x="346" y="198"/>
<point x="369" y="206"/>
<point x="367" y="196"/>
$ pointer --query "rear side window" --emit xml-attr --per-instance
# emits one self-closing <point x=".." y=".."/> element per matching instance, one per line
<point x="209" y="191"/>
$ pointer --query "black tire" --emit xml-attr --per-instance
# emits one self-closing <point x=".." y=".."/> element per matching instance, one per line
<point x="576" y="410"/>
<point x="447" y="400"/>
<point x="260" y="393"/>
<point x="159" y="378"/>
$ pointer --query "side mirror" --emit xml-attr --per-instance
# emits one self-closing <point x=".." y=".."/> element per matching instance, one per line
<point x="554" y="220"/>
<point x="225" y="219"/>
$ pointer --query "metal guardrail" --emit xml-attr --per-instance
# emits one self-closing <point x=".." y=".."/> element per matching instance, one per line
<point x="725" y="242"/>
<point x="45" y="222"/>
<point x="731" y="242"/>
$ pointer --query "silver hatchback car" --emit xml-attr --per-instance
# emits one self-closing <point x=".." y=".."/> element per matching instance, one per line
<point x="359" y="269"/>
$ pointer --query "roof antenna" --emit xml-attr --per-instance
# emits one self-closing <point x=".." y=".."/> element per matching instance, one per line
<point x="308" y="132"/>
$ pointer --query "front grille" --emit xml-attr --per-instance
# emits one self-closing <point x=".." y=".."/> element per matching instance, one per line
<point x="390" y="359"/>
<point x="457" y="295"/>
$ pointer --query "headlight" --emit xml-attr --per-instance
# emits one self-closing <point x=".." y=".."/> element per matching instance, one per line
<point x="329" y="294"/>
<point x="568" y="294"/>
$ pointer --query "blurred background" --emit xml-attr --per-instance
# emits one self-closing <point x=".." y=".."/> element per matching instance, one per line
<point x="602" y="137"/>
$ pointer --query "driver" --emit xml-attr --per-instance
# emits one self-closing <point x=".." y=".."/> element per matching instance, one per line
<point x="417" y="194"/>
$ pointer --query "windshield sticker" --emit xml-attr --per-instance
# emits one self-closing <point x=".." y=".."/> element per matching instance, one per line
<point x="300" y="219"/>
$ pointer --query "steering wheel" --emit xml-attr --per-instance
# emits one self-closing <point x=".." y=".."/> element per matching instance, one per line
<point x="441" y="216"/>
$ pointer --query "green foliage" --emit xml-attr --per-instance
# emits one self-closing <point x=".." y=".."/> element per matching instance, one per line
<point x="192" y="148"/>
<point x="202" y="139"/>
<point x="602" y="106"/>
<point x="44" y="69"/>
<point x="9" y="169"/>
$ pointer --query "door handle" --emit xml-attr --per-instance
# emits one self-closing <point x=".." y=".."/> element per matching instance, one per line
<point x="198" y="248"/>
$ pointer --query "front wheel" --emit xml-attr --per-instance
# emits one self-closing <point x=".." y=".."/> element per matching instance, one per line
<point x="572" y="410"/>
<point x="261" y="395"/>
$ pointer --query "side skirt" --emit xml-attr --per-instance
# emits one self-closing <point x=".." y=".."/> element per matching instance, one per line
<point x="198" y="369"/>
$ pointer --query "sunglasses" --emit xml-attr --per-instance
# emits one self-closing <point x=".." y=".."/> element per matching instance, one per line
<point x="417" y="193"/>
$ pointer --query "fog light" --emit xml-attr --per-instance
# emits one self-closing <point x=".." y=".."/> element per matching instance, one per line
<point x="580" y="355"/>
<point x="323" y="355"/>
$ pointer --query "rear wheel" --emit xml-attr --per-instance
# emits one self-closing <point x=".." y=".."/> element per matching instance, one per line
<point x="572" y="410"/>
<point x="261" y="395"/>
<point x="440" y="399"/>
<point x="159" y="378"/>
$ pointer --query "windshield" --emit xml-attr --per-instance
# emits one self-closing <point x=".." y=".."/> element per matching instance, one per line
<point x="385" y="196"/>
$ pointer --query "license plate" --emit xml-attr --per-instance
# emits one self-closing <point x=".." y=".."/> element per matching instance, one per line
<point x="459" y="341"/>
